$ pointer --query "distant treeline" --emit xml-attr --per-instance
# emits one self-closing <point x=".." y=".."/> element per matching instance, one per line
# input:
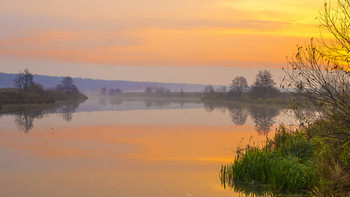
<point x="262" y="90"/>
<point x="87" y="85"/>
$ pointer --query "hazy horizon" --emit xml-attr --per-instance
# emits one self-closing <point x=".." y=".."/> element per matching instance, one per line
<point x="190" y="75"/>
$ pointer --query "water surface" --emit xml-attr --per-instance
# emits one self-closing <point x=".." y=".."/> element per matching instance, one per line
<point x="111" y="147"/>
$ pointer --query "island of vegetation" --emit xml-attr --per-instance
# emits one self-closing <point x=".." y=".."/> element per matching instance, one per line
<point x="314" y="158"/>
<point x="26" y="91"/>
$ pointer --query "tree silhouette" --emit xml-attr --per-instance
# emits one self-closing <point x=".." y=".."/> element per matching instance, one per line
<point x="23" y="79"/>
<point x="239" y="84"/>
<point x="264" y="85"/>
<point x="67" y="86"/>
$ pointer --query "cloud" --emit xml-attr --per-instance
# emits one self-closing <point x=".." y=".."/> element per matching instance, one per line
<point x="152" y="47"/>
<point x="154" y="33"/>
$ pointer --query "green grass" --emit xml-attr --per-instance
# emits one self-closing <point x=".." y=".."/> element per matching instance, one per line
<point x="291" y="163"/>
<point x="284" y="164"/>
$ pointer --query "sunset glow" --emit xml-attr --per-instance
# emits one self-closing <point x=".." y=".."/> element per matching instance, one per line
<point x="210" y="33"/>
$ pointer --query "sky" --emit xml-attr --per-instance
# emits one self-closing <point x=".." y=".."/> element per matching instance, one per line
<point x="189" y="41"/>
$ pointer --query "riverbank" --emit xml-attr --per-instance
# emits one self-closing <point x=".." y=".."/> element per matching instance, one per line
<point x="12" y="96"/>
<point x="302" y="162"/>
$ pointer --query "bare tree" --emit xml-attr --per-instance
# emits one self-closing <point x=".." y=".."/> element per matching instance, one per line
<point x="67" y="86"/>
<point x="319" y="72"/>
<point x="336" y="21"/>
<point x="23" y="79"/>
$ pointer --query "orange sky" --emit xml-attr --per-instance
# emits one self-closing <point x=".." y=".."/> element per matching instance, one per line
<point x="152" y="34"/>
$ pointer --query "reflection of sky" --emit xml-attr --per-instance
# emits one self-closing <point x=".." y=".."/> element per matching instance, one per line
<point x="156" y="116"/>
<point x="117" y="159"/>
<point x="110" y="104"/>
<point x="154" y="152"/>
<point x="92" y="113"/>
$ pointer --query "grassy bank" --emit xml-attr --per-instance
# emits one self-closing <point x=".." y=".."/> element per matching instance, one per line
<point x="294" y="162"/>
<point x="15" y="96"/>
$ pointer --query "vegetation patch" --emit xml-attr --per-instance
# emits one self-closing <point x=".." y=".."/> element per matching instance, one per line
<point x="29" y="92"/>
<point x="285" y="164"/>
<point x="293" y="162"/>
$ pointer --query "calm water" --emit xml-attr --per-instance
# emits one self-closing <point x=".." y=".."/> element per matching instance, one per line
<point x="110" y="147"/>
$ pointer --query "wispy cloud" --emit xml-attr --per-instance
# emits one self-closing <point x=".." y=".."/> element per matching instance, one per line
<point x="155" y="32"/>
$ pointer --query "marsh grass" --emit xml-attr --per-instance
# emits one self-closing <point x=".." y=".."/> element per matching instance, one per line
<point x="293" y="162"/>
<point x="284" y="164"/>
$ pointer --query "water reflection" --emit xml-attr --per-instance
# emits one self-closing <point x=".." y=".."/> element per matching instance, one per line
<point x="239" y="116"/>
<point x="246" y="188"/>
<point x="67" y="110"/>
<point x="24" y="122"/>
<point x="262" y="115"/>
<point x="25" y="115"/>
<point x="149" y="103"/>
<point x="186" y="145"/>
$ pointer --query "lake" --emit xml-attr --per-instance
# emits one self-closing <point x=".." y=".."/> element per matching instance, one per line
<point x="113" y="147"/>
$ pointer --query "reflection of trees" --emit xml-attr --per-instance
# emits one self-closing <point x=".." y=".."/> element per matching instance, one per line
<point x="263" y="118"/>
<point x="182" y="103"/>
<point x="210" y="106"/>
<point x="102" y="101"/>
<point x="24" y="122"/>
<point x="26" y="115"/>
<point x="237" y="111"/>
<point x="115" y="101"/>
<point x="148" y="103"/>
<point x="245" y="188"/>
<point x="67" y="110"/>
<point x="159" y="103"/>
<point x="239" y="116"/>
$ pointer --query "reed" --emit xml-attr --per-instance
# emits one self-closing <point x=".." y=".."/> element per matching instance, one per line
<point x="285" y="164"/>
